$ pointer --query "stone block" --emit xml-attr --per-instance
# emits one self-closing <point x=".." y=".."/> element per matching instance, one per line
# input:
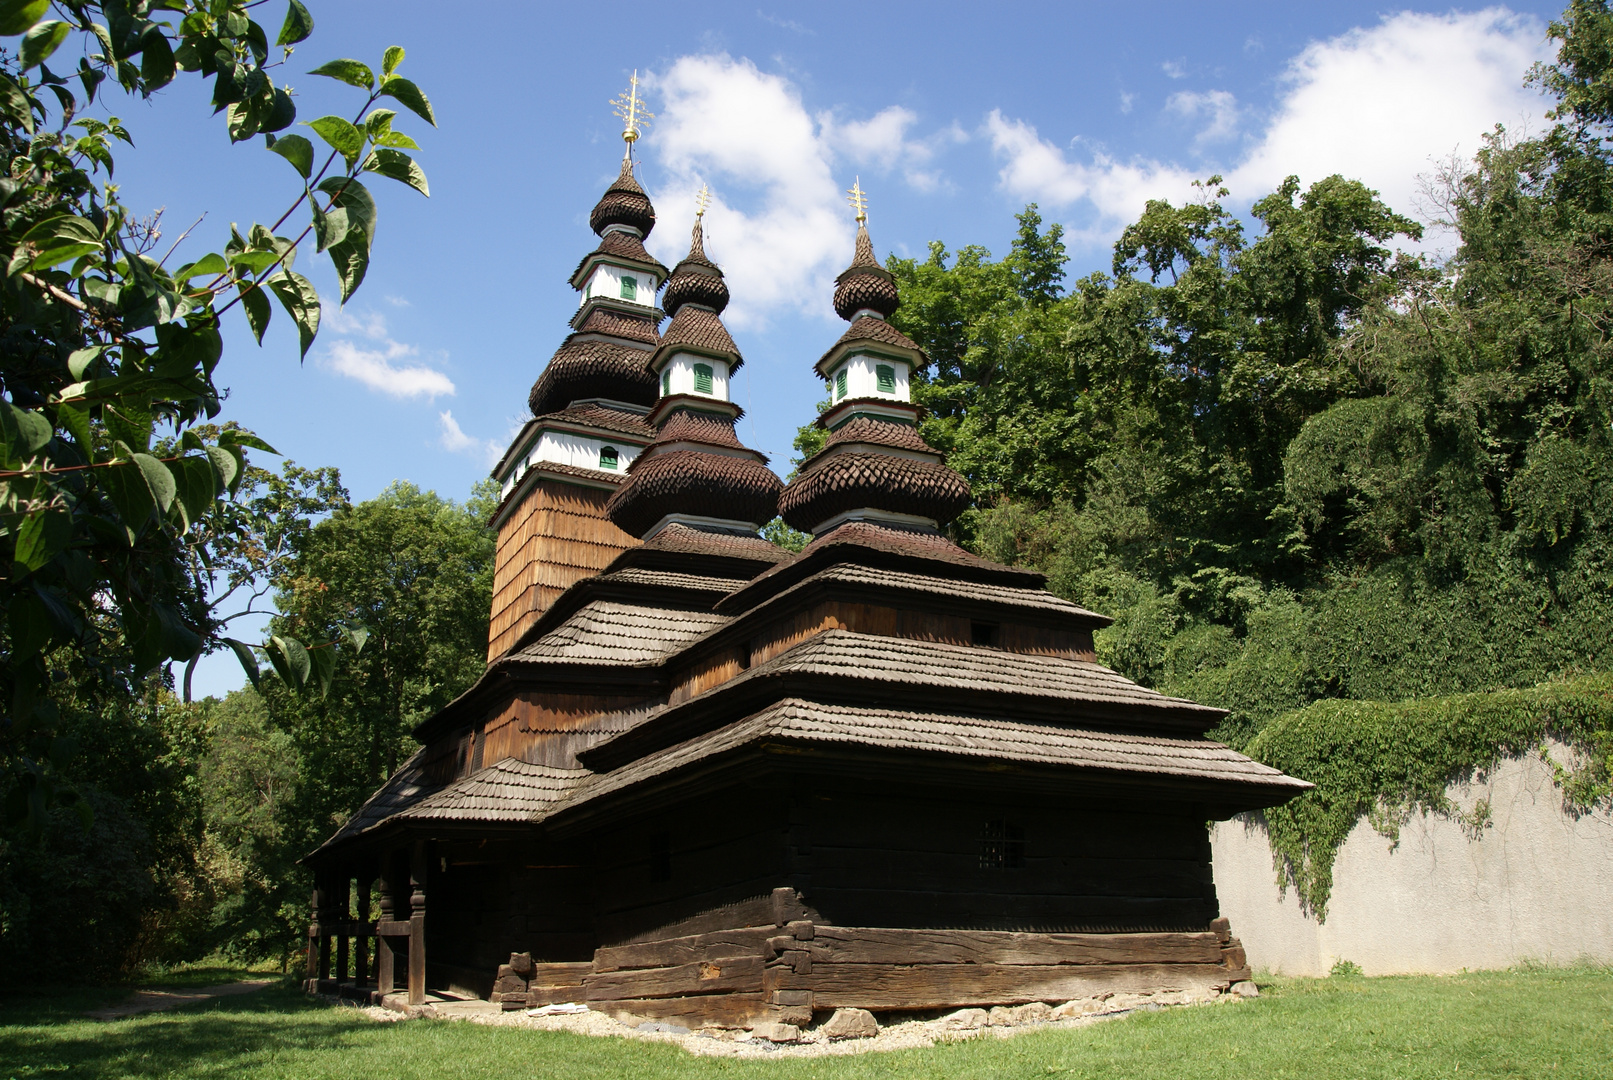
<point x="1037" y="1012"/>
<point x="1246" y="989"/>
<point x="779" y="1033"/>
<point x="521" y="964"/>
<point x="966" y="1020"/>
<point x="851" y="1024"/>
<point x="510" y="984"/>
<point x="1078" y="1007"/>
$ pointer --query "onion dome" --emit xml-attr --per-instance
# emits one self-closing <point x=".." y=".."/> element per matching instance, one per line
<point x="583" y="369"/>
<point x="875" y="466"/>
<point x="695" y="280"/>
<point x="695" y="487"/>
<point x="624" y="203"/>
<point x="865" y="285"/>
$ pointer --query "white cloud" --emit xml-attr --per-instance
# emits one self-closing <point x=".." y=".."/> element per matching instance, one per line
<point x="454" y="439"/>
<point x="778" y="223"/>
<point x="373" y="361"/>
<point x="1126" y="101"/>
<point x="1381" y="104"/>
<point x="1219" y="106"/>
<point x="1174" y="69"/>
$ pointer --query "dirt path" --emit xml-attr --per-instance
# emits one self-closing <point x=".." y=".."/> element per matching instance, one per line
<point x="144" y="1001"/>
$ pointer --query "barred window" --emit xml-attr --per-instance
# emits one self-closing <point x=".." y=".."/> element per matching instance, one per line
<point x="887" y="378"/>
<point x="608" y="457"/>
<point x="1002" y="846"/>
<point x="702" y="378"/>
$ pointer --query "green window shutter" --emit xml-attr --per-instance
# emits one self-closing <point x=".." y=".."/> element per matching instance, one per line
<point x="887" y="378"/>
<point x="666" y="382"/>
<point x="629" y="288"/>
<point x="840" y="384"/>
<point x="608" y="458"/>
<point x="702" y="378"/>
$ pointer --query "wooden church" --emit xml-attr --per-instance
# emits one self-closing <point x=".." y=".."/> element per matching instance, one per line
<point x="707" y="780"/>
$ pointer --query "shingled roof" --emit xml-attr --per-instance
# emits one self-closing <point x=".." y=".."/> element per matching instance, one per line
<point x="1035" y="601"/>
<point x="869" y="328"/>
<point x="509" y="790"/>
<point x="403" y="789"/>
<point x="954" y="734"/>
<point x="877" y="669"/>
<point x="612" y="632"/>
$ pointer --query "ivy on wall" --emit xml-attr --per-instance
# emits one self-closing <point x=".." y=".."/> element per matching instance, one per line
<point x="1384" y="761"/>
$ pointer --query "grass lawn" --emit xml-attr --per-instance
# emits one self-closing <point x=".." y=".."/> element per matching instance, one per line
<point x="1526" y="1023"/>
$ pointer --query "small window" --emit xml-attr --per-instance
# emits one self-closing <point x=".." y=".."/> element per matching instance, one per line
<point x="661" y="857"/>
<point x="608" y="458"/>
<point x="840" y="384"/>
<point x="887" y="378"/>
<point x="1002" y="846"/>
<point x="982" y="633"/>
<point x="702" y="378"/>
<point x="629" y="288"/>
<point x="666" y="382"/>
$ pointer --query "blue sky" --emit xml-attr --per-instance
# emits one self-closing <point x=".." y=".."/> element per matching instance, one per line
<point x="954" y="116"/>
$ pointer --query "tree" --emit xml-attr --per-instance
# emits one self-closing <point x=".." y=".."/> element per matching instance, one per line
<point x="101" y="343"/>
<point x="417" y="571"/>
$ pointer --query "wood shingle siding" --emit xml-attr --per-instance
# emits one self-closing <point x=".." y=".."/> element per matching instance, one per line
<point x="555" y="538"/>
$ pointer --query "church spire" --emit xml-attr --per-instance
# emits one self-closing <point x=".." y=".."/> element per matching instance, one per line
<point x="696" y="472"/>
<point x="875" y="466"/>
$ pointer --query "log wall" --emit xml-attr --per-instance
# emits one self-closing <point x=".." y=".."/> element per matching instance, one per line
<point x="558" y="535"/>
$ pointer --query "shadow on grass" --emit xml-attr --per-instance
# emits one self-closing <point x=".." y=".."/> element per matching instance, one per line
<point x="49" y="1035"/>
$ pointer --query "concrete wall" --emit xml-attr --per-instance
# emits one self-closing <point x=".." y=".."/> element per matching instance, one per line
<point x="1537" y="884"/>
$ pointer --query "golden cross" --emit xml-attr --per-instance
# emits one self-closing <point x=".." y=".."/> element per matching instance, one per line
<point x="630" y="107"/>
<point x="702" y="199"/>
<point x="858" y="198"/>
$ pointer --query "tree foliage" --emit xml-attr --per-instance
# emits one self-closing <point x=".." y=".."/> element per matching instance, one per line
<point x="104" y="345"/>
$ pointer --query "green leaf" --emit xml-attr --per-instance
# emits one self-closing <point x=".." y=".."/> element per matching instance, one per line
<point x="209" y="265"/>
<point x="254" y="261"/>
<point x="342" y="136"/>
<point x="255" y="302"/>
<point x="399" y="166"/>
<point x="410" y="97"/>
<point x="196" y="486"/>
<point x="157" y="66"/>
<point x="301" y="301"/>
<point x="350" y="72"/>
<point x="126" y="486"/>
<point x="391" y="59"/>
<point x="226" y="465"/>
<point x="397" y="139"/>
<point x="81" y="359"/>
<point x="356" y="636"/>
<point x="379" y="122"/>
<point x="56" y="240"/>
<point x="14" y="103"/>
<point x="237" y="437"/>
<point x="248" y="658"/>
<point x="40" y="42"/>
<point x="158" y="479"/>
<point x="298" y="25"/>
<point x="351" y="255"/>
<point x="290" y="658"/>
<point x="282" y="113"/>
<point x="297" y="150"/>
<point x="42" y="535"/>
<point x="16" y="16"/>
<point x="324" y="668"/>
<point x="26" y="431"/>
<point x="32" y="629"/>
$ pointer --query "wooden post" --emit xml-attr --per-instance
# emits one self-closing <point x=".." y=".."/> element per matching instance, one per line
<point x="312" y="968"/>
<point x="384" y="955"/>
<point x="361" y="947"/>
<point x="417" y="924"/>
<point x="326" y="916"/>
<point x="344" y="916"/>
